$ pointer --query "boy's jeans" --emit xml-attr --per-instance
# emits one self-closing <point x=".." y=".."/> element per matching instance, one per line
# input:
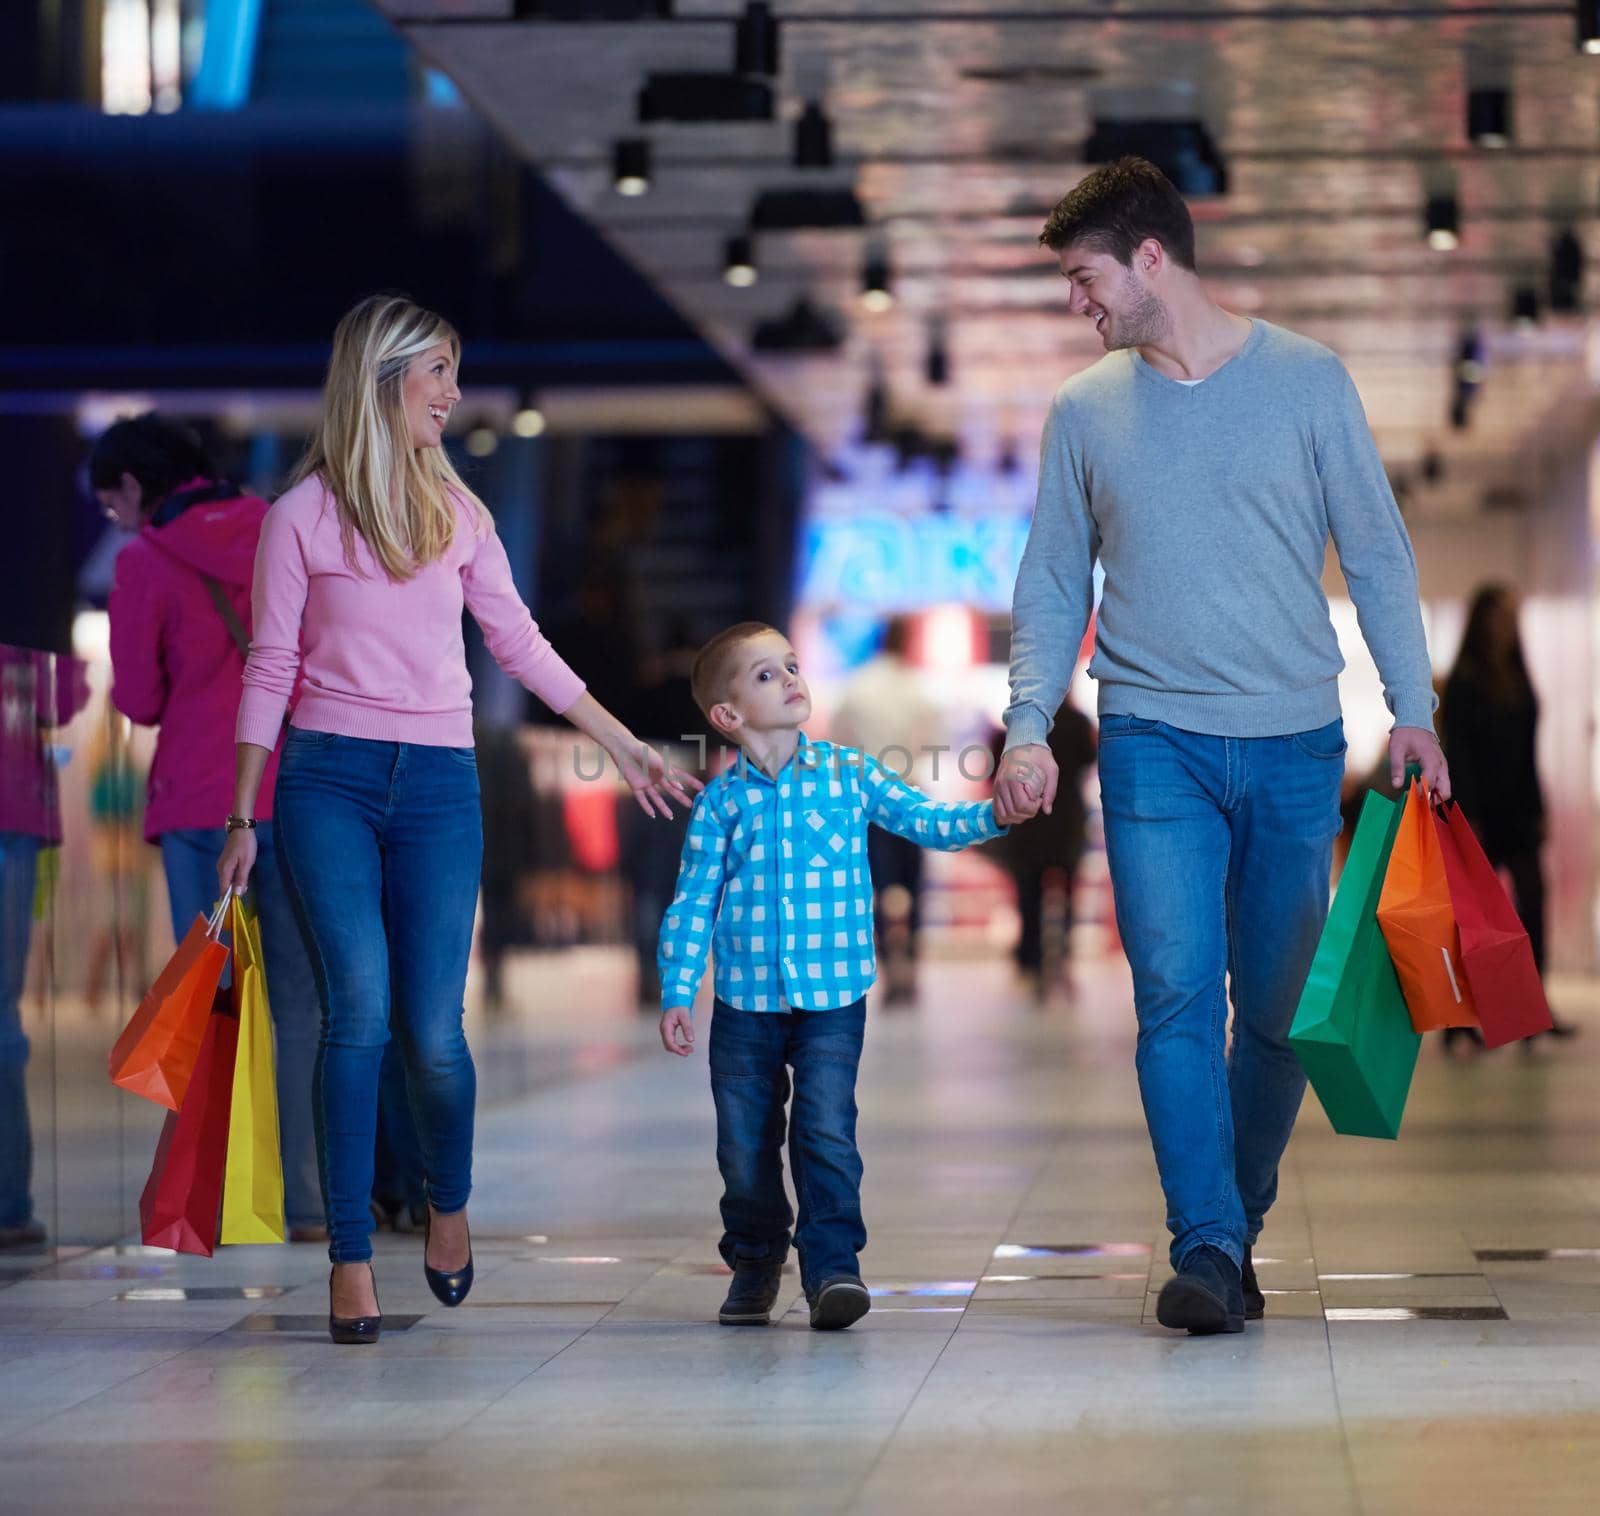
<point x="751" y="1052"/>
<point x="1220" y="850"/>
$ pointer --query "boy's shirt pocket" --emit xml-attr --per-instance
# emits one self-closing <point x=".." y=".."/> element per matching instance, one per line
<point x="826" y="826"/>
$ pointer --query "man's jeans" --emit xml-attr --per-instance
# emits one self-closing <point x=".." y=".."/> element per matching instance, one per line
<point x="19" y="855"/>
<point x="1220" y="850"/>
<point x="382" y="844"/>
<point x="751" y="1053"/>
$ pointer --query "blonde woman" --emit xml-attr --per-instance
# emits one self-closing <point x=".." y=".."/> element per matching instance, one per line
<point x="363" y="570"/>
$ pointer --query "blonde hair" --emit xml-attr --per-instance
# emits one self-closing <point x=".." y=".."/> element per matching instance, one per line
<point x="395" y="496"/>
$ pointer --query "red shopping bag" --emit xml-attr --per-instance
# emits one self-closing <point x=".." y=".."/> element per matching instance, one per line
<point x="182" y="1201"/>
<point x="1506" y="989"/>
<point x="156" y="1052"/>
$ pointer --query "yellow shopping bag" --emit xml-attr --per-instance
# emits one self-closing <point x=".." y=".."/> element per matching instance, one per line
<point x="252" y="1186"/>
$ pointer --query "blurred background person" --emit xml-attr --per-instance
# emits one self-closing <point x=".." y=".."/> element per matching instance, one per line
<point x="120" y="862"/>
<point x="884" y="709"/>
<point x="1490" y="725"/>
<point x="1043" y="855"/>
<point x="180" y="632"/>
<point x="509" y="818"/>
<point x="663" y="712"/>
<point x="399" y="1174"/>
<point x="38" y="691"/>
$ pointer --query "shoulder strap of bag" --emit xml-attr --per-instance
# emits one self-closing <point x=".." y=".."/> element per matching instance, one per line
<point x="230" y="617"/>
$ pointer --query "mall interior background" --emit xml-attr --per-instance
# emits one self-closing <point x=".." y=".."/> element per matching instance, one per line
<point x="830" y="424"/>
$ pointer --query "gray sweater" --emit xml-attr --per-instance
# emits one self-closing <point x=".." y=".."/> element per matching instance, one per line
<point x="1209" y="507"/>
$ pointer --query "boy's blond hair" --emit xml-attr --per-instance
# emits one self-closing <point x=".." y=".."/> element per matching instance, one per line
<point x="716" y="664"/>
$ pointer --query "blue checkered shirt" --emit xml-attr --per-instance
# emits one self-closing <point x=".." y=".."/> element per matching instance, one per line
<point x="774" y="883"/>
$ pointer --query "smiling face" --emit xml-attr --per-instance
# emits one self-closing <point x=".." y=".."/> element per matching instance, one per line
<point x="429" y="394"/>
<point x="766" y="693"/>
<point x="1125" y="309"/>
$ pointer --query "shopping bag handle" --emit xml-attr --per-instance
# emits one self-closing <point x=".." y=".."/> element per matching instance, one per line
<point x="218" y="915"/>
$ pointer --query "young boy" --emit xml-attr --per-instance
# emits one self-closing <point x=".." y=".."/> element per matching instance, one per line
<point x="774" y="882"/>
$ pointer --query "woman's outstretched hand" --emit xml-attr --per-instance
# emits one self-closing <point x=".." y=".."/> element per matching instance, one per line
<point x="652" y="779"/>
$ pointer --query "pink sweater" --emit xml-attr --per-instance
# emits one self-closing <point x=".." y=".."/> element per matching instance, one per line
<point x="381" y="660"/>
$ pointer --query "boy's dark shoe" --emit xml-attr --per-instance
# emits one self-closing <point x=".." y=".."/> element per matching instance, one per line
<point x="752" y="1294"/>
<point x="839" y="1302"/>
<point x="1204" y="1297"/>
<point x="1255" y="1303"/>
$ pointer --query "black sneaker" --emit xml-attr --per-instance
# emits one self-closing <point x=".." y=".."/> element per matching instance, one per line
<point x="1204" y="1298"/>
<point x="839" y="1302"/>
<point x="1255" y="1303"/>
<point x="752" y="1294"/>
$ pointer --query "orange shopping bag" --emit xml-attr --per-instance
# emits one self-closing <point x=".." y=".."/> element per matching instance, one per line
<point x="1419" y="923"/>
<point x="156" y="1053"/>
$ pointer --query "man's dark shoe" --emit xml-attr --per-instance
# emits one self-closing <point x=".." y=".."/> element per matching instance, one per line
<point x="839" y="1302"/>
<point x="1255" y="1303"/>
<point x="1204" y="1297"/>
<point x="752" y="1294"/>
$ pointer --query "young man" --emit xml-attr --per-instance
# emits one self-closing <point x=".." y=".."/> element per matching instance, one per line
<point x="774" y="883"/>
<point x="1205" y="461"/>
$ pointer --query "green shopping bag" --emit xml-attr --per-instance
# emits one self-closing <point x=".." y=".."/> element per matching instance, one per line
<point x="1352" y="1032"/>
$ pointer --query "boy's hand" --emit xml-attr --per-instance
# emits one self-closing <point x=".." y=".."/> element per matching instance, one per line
<point x="677" y="1031"/>
<point x="1025" y="781"/>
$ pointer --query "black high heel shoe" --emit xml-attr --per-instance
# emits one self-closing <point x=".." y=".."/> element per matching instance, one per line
<point x="448" y="1288"/>
<point x="353" y="1329"/>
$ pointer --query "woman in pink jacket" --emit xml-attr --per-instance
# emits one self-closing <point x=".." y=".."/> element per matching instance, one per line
<point x="180" y="624"/>
<point x="365" y="567"/>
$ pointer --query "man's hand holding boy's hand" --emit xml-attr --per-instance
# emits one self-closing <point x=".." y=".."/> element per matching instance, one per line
<point x="1025" y="781"/>
<point x="677" y="1031"/>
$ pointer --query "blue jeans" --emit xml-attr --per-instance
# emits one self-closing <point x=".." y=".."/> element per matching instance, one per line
<point x="1220" y="850"/>
<point x="382" y="845"/>
<point x="751" y="1053"/>
<point x="19" y="855"/>
<point x="189" y="856"/>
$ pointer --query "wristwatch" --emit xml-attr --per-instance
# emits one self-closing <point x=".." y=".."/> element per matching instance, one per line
<point x="241" y="824"/>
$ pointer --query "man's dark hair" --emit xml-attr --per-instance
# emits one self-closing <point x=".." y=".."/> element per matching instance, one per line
<point x="1118" y="207"/>
<point x="159" y="453"/>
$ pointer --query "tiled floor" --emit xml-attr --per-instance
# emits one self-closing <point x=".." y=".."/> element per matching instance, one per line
<point x="1432" y="1341"/>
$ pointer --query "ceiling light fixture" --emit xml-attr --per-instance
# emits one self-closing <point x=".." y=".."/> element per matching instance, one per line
<point x="698" y="97"/>
<point x="801" y="329"/>
<point x="792" y="210"/>
<point x="813" y="138"/>
<point x="739" y="263"/>
<point x="630" y="166"/>
<point x="755" y="41"/>
<point x="1489" y="117"/>
<point x="1589" y="26"/>
<point x="1184" y="151"/>
<point x="875" y="292"/>
<point x="1444" y="223"/>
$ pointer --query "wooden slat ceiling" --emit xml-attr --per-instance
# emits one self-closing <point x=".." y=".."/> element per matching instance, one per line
<point x="958" y="125"/>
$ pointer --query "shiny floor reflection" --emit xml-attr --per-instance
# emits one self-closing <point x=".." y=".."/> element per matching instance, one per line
<point x="1431" y="1341"/>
